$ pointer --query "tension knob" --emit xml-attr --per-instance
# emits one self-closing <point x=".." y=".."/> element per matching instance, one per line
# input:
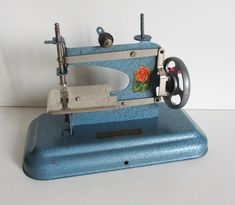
<point x="105" y="39"/>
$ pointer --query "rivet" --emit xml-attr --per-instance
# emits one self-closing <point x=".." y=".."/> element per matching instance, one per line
<point x="77" y="98"/>
<point x="132" y="53"/>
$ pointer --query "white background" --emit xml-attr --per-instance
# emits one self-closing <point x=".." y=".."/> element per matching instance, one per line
<point x="200" y="32"/>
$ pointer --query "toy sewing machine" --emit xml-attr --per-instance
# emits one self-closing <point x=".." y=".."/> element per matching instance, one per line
<point x="93" y="128"/>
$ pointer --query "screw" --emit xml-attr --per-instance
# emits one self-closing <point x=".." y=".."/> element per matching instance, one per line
<point x="132" y="53"/>
<point x="77" y="98"/>
<point x="157" y="99"/>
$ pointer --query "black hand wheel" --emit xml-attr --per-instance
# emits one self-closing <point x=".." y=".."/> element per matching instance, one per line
<point x="178" y="85"/>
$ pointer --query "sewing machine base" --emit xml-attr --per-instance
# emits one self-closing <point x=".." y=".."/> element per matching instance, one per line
<point x="100" y="147"/>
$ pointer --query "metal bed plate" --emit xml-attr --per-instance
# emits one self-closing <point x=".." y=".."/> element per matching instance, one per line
<point x="111" y="145"/>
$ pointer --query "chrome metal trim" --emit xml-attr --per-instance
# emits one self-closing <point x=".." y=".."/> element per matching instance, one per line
<point x="120" y="55"/>
<point x="136" y="102"/>
<point x="161" y="90"/>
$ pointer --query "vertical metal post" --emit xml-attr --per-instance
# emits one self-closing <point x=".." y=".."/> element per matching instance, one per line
<point x="142" y="36"/>
<point x="60" y="59"/>
<point x="62" y="69"/>
<point x="142" y="25"/>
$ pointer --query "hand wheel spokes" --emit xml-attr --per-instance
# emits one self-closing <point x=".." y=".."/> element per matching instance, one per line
<point x="178" y="85"/>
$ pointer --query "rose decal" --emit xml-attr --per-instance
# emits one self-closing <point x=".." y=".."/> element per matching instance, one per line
<point x="141" y="81"/>
<point x="142" y="74"/>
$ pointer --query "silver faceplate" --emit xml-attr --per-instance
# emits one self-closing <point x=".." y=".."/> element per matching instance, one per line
<point x="88" y="99"/>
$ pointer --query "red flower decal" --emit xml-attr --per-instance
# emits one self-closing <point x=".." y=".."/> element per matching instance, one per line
<point x="142" y="74"/>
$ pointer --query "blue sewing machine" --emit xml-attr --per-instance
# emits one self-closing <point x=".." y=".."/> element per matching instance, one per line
<point x="93" y="128"/>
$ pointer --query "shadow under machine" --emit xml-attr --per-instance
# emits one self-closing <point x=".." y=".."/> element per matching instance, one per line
<point x="89" y="129"/>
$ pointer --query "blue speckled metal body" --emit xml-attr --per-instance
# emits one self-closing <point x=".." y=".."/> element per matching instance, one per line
<point x="164" y="135"/>
<point x="128" y="66"/>
<point x="168" y="135"/>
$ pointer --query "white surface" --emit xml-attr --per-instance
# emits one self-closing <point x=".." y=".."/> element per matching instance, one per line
<point x="200" y="32"/>
<point x="206" y="181"/>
